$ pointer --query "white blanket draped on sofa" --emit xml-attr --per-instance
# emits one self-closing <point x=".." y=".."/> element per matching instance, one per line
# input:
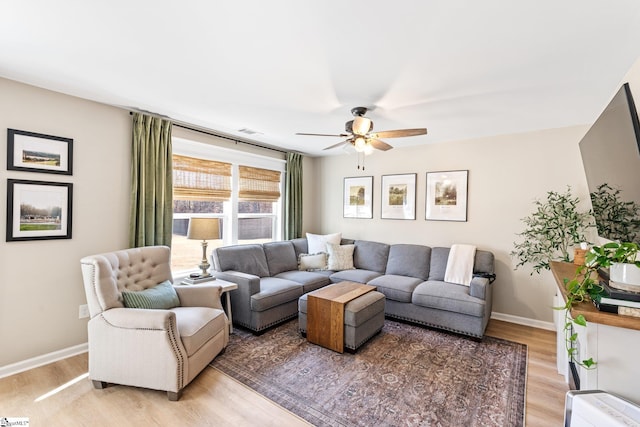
<point x="460" y="264"/>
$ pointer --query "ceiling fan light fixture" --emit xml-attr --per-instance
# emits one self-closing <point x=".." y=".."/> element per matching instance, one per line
<point x="361" y="125"/>
<point x="360" y="144"/>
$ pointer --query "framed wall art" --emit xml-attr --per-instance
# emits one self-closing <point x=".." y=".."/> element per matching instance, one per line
<point x="399" y="196"/>
<point x="38" y="210"/>
<point x="447" y="195"/>
<point x="358" y="197"/>
<point x="36" y="152"/>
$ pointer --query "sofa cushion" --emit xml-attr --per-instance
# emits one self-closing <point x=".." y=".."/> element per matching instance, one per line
<point x="409" y="260"/>
<point x="249" y="259"/>
<point x="161" y="296"/>
<point x="312" y="262"/>
<point x="340" y="257"/>
<point x="438" y="266"/>
<point x="300" y="245"/>
<point x="358" y="275"/>
<point x="310" y="281"/>
<point x="448" y="297"/>
<point x="281" y="256"/>
<point x="273" y="292"/>
<point x="483" y="262"/>
<point x="318" y="242"/>
<point x="371" y="256"/>
<point x="394" y="287"/>
<point x="197" y="325"/>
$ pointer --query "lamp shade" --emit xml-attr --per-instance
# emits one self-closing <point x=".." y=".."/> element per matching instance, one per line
<point x="203" y="229"/>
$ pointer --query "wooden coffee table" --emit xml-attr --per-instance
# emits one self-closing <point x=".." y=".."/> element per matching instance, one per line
<point x="325" y="313"/>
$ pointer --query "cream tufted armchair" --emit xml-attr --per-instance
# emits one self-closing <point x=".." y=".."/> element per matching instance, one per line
<point x="161" y="349"/>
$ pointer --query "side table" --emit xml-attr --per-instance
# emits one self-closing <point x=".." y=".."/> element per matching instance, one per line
<point x="226" y="288"/>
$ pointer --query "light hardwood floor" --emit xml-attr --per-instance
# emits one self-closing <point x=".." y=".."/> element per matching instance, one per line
<point x="60" y="394"/>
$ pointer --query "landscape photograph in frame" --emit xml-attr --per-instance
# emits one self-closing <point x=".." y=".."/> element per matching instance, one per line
<point x="36" y="152"/>
<point x="38" y="210"/>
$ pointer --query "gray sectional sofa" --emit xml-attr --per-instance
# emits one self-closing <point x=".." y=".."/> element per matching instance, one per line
<point x="410" y="276"/>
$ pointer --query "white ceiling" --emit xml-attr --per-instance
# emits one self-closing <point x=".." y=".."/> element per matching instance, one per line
<point x="461" y="68"/>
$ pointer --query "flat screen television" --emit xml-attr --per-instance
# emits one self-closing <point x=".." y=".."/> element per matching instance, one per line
<point x="611" y="157"/>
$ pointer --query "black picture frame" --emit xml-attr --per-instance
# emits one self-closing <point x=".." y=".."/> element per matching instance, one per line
<point x="447" y="195"/>
<point x="37" y="152"/>
<point x="398" y="196"/>
<point x="38" y="210"/>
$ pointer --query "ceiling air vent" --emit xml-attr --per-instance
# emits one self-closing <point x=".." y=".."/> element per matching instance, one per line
<point x="249" y="131"/>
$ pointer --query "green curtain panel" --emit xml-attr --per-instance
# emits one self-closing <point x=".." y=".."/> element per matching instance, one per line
<point x="151" y="182"/>
<point x="293" y="197"/>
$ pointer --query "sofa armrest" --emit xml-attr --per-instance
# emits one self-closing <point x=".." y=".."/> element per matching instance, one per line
<point x="248" y="283"/>
<point x="199" y="295"/>
<point x="478" y="287"/>
<point x="138" y="318"/>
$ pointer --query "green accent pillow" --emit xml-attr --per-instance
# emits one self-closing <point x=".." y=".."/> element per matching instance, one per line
<point x="161" y="296"/>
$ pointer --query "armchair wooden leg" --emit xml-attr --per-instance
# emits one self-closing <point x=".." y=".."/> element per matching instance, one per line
<point x="99" y="384"/>
<point x="174" y="396"/>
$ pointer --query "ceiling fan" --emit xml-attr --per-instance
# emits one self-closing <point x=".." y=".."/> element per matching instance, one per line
<point x="359" y="133"/>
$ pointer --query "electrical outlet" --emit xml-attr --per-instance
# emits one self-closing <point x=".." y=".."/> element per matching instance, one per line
<point x="83" y="311"/>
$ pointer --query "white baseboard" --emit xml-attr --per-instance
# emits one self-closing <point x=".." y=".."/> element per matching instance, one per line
<point x="549" y="326"/>
<point x="45" y="359"/>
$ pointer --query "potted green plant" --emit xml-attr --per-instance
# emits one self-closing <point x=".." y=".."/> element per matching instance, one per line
<point x="624" y="268"/>
<point x="552" y="231"/>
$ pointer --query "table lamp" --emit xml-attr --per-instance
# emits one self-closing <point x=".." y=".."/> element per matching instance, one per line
<point x="204" y="229"/>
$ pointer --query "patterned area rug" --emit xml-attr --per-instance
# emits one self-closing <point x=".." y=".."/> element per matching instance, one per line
<point x="405" y="376"/>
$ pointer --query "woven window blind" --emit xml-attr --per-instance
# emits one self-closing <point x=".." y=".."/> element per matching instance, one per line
<point x="259" y="184"/>
<point x="200" y="179"/>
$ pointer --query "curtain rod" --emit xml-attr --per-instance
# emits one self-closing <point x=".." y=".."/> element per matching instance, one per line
<point x="210" y="133"/>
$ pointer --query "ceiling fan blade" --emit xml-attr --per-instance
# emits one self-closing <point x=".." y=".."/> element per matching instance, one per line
<point x="380" y="145"/>
<point x="342" y="135"/>
<point x="339" y="144"/>
<point x="399" y="133"/>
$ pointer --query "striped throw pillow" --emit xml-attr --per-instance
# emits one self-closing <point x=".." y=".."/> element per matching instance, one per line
<point x="161" y="296"/>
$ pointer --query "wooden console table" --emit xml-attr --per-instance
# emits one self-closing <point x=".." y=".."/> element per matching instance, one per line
<point x="565" y="270"/>
<point x="611" y="339"/>
<point x="325" y="313"/>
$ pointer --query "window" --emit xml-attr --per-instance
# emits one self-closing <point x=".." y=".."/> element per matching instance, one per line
<point x="242" y="190"/>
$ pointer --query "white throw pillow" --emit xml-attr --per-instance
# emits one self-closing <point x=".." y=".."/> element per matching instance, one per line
<point x="340" y="257"/>
<point x="312" y="262"/>
<point x="318" y="242"/>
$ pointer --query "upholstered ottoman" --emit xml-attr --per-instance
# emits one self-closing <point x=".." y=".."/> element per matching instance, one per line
<point x="363" y="318"/>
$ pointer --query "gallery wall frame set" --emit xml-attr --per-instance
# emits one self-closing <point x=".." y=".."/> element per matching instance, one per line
<point x="38" y="210"/>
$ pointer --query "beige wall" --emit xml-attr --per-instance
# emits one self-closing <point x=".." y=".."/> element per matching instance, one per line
<point x="506" y="174"/>
<point x="40" y="281"/>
